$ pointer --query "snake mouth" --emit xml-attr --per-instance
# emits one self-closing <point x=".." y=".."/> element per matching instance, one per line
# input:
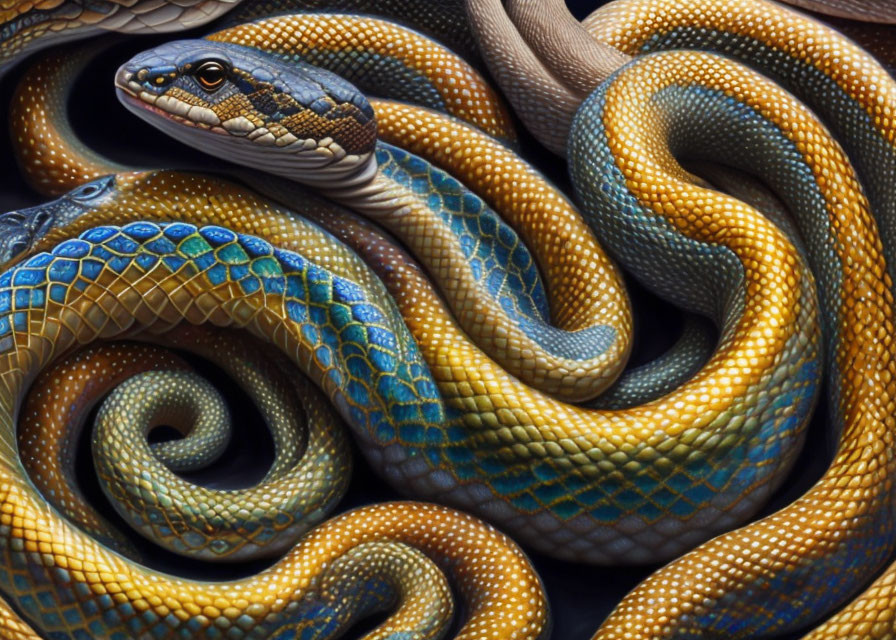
<point x="139" y="106"/>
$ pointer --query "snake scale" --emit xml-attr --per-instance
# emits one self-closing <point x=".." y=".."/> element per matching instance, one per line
<point x="758" y="289"/>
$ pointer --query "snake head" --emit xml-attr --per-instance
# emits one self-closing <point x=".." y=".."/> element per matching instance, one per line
<point x="22" y="228"/>
<point x="246" y="106"/>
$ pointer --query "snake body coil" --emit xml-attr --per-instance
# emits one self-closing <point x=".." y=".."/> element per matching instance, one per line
<point x="793" y="566"/>
<point x="640" y="483"/>
<point x="174" y="260"/>
<point x="551" y="481"/>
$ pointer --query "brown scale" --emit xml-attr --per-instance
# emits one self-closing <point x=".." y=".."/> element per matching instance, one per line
<point x="263" y="98"/>
<point x="345" y="129"/>
<point x="231" y="107"/>
<point x="286" y="102"/>
<point x="186" y="97"/>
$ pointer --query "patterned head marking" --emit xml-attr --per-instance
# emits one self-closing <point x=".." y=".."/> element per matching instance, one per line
<point x="244" y="105"/>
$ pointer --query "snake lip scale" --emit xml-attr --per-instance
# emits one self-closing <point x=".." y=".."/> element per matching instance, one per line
<point x="125" y="93"/>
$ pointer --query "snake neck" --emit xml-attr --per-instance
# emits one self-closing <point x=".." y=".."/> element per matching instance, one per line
<point x="368" y="190"/>
<point x="343" y="184"/>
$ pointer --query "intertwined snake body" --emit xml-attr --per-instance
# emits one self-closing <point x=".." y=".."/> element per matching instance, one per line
<point x="812" y="549"/>
<point x="271" y="277"/>
<point x="756" y="288"/>
<point x="558" y="465"/>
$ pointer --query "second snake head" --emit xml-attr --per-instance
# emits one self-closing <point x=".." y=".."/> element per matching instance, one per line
<point x="21" y="229"/>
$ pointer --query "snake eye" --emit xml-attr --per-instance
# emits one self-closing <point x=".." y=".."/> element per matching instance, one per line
<point x="88" y="191"/>
<point x="210" y="75"/>
<point x="91" y="190"/>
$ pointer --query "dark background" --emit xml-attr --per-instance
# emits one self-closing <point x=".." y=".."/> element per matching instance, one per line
<point x="580" y="596"/>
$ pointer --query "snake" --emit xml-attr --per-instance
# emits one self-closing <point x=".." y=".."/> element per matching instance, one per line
<point x="360" y="562"/>
<point x="805" y="561"/>
<point x="809" y="394"/>
<point x="777" y="239"/>
<point x="555" y="522"/>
